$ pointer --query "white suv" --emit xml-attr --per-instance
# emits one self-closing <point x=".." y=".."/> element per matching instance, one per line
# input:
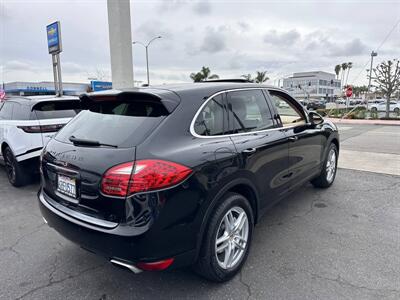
<point x="26" y="125"/>
<point x="381" y="106"/>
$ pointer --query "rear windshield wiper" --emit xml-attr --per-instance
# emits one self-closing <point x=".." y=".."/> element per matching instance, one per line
<point x="83" y="142"/>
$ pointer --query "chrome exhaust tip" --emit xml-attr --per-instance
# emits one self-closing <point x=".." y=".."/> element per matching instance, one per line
<point x="130" y="267"/>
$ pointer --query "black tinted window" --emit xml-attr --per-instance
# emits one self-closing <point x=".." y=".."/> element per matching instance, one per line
<point x="6" y="111"/>
<point x="248" y="111"/>
<point x="21" y="112"/>
<point x="212" y="120"/>
<point x="56" y="109"/>
<point x="124" y="124"/>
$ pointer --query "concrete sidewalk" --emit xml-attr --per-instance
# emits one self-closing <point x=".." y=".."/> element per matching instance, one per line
<point x="365" y="122"/>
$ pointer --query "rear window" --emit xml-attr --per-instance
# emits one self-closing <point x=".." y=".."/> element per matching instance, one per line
<point x="123" y="124"/>
<point x="56" y="109"/>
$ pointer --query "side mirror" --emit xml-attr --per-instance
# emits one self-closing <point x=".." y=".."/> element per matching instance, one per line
<point x="315" y="118"/>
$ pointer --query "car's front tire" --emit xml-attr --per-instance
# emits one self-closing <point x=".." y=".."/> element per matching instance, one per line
<point x="227" y="239"/>
<point x="16" y="172"/>
<point x="328" y="172"/>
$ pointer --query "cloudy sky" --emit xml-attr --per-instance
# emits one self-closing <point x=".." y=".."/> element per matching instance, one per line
<point x="231" y="37"/>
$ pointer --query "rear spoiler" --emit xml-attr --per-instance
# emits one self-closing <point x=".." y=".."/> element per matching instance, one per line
<point x="169" y="99"/>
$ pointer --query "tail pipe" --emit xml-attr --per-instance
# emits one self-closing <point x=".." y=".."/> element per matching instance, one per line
<point x="130" y="267"/>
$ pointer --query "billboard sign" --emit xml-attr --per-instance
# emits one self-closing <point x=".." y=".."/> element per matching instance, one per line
<point x="100" y="85"/>
<point x="54" y="37"/>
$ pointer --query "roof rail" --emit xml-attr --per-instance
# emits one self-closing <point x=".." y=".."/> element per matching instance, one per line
<point x="238" y="80"/>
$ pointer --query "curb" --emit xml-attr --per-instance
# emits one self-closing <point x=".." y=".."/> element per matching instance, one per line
<point x="365" y="122"/>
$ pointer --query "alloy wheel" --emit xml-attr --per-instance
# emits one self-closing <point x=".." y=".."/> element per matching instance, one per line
<point x="331" y="165"/>
<point x="9" y="165"/>
<point x="232" y="237"/>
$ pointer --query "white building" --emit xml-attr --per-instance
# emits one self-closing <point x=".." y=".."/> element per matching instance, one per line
<point x="314" y="85"/>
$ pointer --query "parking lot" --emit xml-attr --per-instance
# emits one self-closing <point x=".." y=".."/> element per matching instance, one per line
<point x="339" y="243"/>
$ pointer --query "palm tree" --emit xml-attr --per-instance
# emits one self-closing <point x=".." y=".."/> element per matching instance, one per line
<point x="204" y="74"/>
<point x="344" y="67"/>
<point x="261" y="77"/>
<point x="337" y="70"/>
<point x="349" y="66"/>
<point x="248" y="77"/>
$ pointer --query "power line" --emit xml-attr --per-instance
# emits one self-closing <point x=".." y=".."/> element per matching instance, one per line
<point x="377" y="49"/>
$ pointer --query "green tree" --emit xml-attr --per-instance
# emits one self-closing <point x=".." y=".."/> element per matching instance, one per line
<point x="386" y="79"/>
<point x="344" y="68"/>
<point x="359" y="90"/>
<point x="349" y="66"/>
<point x="337" y="70"/>
<point x="203" y="75"/>
<point x="261" y="76"/>
<point x="247" y="77"/>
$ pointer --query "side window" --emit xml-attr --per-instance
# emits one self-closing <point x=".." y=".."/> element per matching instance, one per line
<point x="288" y="113"/>
<point x="212" y="120"/>
<point x="248" y="111"/>
<point x="6" y="111"/>
<point x="21" y="112"/>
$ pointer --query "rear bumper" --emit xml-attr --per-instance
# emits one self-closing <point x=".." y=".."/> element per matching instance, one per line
<point x="28" y="155"/>
<point x="112" y="245"/>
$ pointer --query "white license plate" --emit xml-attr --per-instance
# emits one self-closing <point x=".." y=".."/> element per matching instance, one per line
<point x="66" y="186"/>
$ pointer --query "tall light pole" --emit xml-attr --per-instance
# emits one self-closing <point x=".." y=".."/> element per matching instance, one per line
<point x="147" y="54"/>
<point x="373" y="54"/>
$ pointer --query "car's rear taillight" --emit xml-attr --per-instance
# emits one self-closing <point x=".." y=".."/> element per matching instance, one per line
<point x="41" y="128"/>
<point x="144" y="175"/>
<point x="155" y="266"/>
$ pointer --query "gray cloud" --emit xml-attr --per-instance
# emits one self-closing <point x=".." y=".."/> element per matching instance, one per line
<point x="214" y="40"/>
<point x="228" y="37"/>
<point x="352" y="48"/>
<point x="202" y="7"/>
<point x="151" y="29"/>
<point x="244" y="26"/>
<point x="171" y="5"/>
<point x="274" y="37"/>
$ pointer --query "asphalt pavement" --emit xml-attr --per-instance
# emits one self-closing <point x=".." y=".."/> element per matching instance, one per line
<point x="339" y="243"/>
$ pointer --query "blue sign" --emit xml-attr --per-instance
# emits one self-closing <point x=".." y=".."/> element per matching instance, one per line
<point x="54" y="38"/>
<point x="100" y="85"/>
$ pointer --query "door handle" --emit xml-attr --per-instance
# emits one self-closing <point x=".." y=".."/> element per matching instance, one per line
<point x="249" y="150"/>
<point x="293" y="138"/>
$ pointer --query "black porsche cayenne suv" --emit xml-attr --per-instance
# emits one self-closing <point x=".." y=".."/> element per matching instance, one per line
<point x="163" y="177"/>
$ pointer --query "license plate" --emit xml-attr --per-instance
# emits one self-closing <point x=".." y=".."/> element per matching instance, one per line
<point x="66" y="186"/>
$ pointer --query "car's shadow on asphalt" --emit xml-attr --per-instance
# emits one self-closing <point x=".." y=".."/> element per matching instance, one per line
<point x="63" y="266"/>
<point x="183" y="282"/>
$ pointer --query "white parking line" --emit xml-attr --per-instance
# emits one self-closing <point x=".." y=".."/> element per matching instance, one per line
<point x="370" y="161"/>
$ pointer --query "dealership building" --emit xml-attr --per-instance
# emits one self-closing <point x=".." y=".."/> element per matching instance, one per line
<point x="24" y="88"/>
<point x="313" y="85"/>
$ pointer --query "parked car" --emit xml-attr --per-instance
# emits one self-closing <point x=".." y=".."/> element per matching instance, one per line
<point x="381" y="106"/>
<point x="376" y="101"/>
<point x="317" y="104"/>
<point x="26" y="125"/>
<point x="163" y="177"/>
<point x="341" y="101"/>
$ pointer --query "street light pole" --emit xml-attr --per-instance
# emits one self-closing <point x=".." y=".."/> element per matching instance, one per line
<point x="147" y="54"/>
<point x="373" y="53"/>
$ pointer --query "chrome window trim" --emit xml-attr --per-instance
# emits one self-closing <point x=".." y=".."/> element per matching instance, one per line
<point x="193" y="132"/>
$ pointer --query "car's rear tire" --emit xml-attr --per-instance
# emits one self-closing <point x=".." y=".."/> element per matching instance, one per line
<point x="397" y="110"/>
<point x="329" y="168"/>
<point x="225" y="249"/>
<point x="16" y="172"/>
